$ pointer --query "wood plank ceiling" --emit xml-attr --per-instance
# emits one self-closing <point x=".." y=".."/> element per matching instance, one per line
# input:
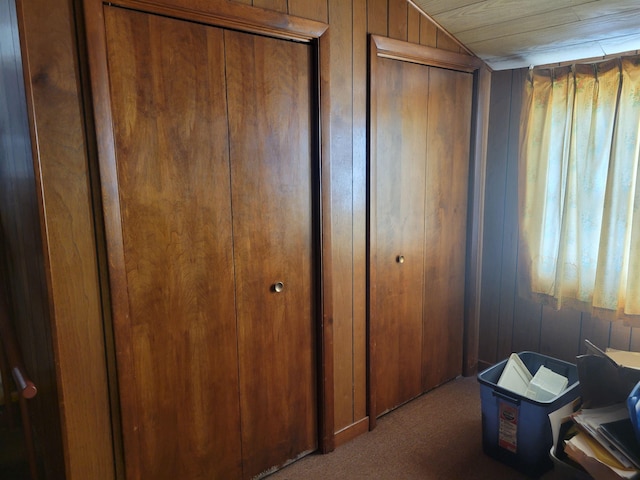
<point x="519" y="33"/>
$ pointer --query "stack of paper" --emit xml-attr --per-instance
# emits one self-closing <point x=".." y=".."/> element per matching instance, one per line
<point x="602" y="445"/>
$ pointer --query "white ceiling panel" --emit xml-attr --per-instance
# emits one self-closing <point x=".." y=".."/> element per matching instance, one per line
<point x="520" y="33"/>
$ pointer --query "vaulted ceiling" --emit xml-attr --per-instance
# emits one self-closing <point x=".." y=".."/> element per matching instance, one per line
<point x="519" y="33"/>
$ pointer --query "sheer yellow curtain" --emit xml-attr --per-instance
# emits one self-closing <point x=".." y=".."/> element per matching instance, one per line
<point x="579" y="190"/>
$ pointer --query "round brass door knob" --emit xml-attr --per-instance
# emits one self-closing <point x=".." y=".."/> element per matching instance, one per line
<point x="278" y="287"/>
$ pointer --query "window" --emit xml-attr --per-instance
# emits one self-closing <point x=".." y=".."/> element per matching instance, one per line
<point x="579" y="188"/>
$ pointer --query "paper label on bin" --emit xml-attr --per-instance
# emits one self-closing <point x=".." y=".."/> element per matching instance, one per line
<point x="508" y="428"/>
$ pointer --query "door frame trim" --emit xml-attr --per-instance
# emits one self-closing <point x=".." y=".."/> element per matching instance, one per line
<point x="220" y="13"/>
<point x="383" y="47"/>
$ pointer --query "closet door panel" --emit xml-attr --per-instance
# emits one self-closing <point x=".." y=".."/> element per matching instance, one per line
<point x="269" y="90"/>
<point x="449" y="117"/>
<point x="401" y="105"/>
<point x="177" y="356"/>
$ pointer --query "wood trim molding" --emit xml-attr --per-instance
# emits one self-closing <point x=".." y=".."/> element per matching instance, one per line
<point x="411" y="52"/>
<point x="326" y="370"/>
<point x="372" y="407"/>
<point x="352" y="431"/>
<point x="232" y="15"/>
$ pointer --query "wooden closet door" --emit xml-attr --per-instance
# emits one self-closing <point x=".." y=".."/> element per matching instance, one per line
<point x="176" y="344"/>
<point x="421" y="124"/>
<point x="269" y="90"/>
<point x="396" y="323"/>
<point x="448" y="148"/>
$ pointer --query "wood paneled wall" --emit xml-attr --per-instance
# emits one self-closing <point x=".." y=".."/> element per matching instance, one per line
<point x="56" y="228"/>
<point x="47" y="213"/>
<point x="22" y="274"/>
<point x="349" y="24"/>
<point x="509" y="323"/>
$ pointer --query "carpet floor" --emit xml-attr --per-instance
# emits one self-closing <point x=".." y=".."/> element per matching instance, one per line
<point x="437" y="436"/>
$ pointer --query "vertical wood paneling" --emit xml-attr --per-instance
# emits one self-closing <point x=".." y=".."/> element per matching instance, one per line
<point x="69" y="319"/>
<point x="620" y="336"/>
<point x="377" y="17"/>
<point x="594" y="330"/>
<point x="73" y="264"/>
<point x="509" y="237"/>
<point x="413" y="25"/>
<point x="445" y="42"/>
<point x="311" y="9"/>
<point x="275" y="5"/>
<point x="359" y="207"/>
<point x="22" y="274"/>
<point x="342" y="198"/>
<point x="497" y="155"/>
<point x="527" y="317"/>
<point x="398" y="10"/>
<point x="560" y="333"/>
<point x="428" y="32"/>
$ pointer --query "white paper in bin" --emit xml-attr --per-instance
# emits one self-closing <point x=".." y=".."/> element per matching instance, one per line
<point x="546" y="385"/>
<point x="515" y="376"/>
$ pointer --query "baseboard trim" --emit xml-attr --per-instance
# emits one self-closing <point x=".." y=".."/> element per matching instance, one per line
<point x="352" y="431"/>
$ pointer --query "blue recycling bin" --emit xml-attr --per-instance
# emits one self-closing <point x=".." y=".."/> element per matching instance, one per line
<point x="516" y="429"/>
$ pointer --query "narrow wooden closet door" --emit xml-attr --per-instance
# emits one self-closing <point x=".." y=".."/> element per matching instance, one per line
<point x="270" y="113"/>
<point x="396" y="324"/>
<point x="176" y="343"/>
<point x="448" y="140"/>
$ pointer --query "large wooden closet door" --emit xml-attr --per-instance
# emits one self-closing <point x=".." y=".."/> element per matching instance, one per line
<point x="421" y="116"/>
<point x="176" y="348"/>
<point x="212" y="134"/>
<point x="270" y="124"/>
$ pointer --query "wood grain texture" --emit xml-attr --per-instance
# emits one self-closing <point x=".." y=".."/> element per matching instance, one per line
<point x="359" y="206"/>
<point x="498" y="142"/>
<point x="413" y="25"/>
<point x="400" y="141"/>
<point x="437" y="140"/>
<point x="62" y="337"/>
<point x="272" y="197"/>
<point x="378" y="17"/>
<point x="445" y="42"/>
<point x="275" y="5"/>
<point x="22" y="271"/>
<point x="47" y="40"/>
<point x="177" y="344"/>
<point x="236" y="16"/>
<point x="448" y="137"/>
<point x="342" y="200"/>
<point x="428" y="32"/>
<point x="398" y="16"/>
<point x="313" y="10"/>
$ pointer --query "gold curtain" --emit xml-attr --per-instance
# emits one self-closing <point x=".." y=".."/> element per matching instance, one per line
<point x="578" y="188"/>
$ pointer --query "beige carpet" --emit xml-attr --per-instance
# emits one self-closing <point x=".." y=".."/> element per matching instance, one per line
<point x="434" y="437"/>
